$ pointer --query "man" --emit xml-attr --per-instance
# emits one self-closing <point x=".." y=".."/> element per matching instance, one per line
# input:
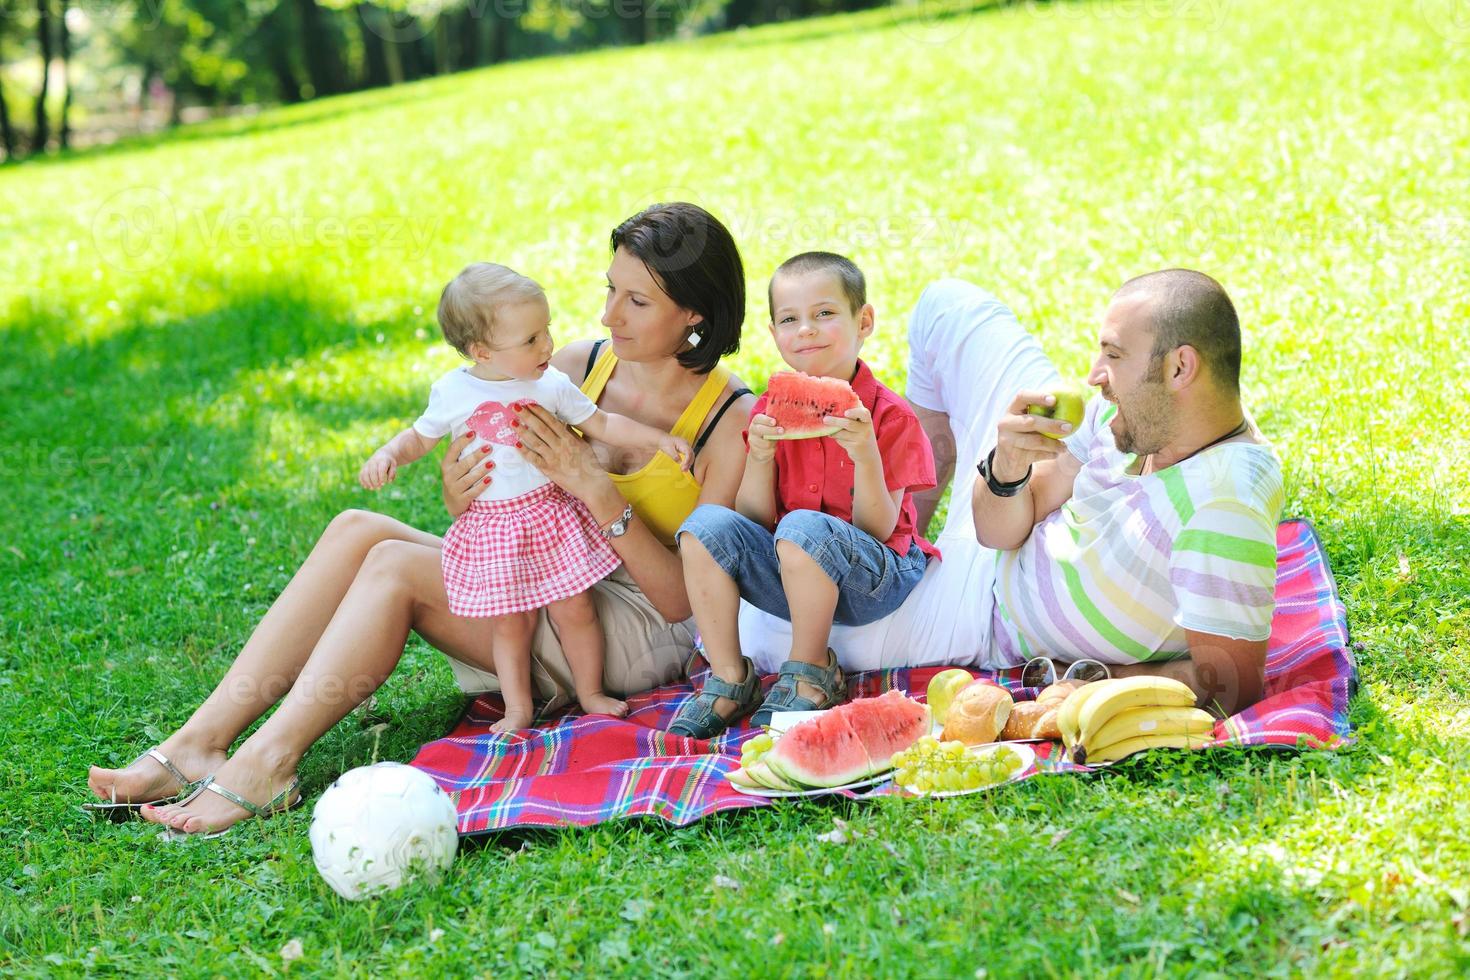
<point x="1145" y="539"/>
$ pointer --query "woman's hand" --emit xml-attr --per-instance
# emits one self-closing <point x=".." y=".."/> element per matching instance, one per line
<point x="547" y="443"/>
<point x="464" y="479"/>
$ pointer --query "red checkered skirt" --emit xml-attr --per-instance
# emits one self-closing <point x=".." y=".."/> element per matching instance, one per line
<point x="509" y="556"/>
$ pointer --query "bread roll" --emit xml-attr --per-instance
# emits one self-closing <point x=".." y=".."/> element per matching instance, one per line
<point x="978" y="713"/>
<point x="1033" y="719"/>
<point x="1058" y="692"/>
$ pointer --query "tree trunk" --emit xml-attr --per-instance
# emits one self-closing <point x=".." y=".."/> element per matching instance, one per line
<point x="319" y="45"/>
<point x="42" y="134"/>
<point x="65" y="36"/>
<point x="443" y="55"/>
<point x="7" y="134"/>
<point x="374" y="57"/>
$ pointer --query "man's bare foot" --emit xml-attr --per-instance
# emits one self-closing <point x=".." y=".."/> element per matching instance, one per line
<point x="601" y="704"/>
<point x="246" y="775"/>
<point x="146" y="780"/>
<point x="515" y="719"/>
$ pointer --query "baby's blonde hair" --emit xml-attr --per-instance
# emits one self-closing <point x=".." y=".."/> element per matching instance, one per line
<point x="469" y="304"/>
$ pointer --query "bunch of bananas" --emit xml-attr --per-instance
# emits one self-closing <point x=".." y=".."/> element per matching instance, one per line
<point x="1109" y="720"/>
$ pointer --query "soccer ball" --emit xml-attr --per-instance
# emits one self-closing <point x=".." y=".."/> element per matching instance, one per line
<point x="379" y="826"/>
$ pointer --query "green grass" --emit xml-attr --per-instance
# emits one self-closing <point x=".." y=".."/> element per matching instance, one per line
<point x="184" y="410"/>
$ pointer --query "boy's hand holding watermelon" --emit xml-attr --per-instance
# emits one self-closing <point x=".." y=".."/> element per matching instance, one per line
<point x="854" y="433"/>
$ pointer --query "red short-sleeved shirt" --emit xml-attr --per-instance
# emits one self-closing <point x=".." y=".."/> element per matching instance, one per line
<point x="816" y="474"/>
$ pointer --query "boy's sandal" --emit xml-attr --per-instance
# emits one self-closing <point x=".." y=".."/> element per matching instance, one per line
<point x="119" y="812"/>
<point x="287" y="799"/>
<point x="698" y="718"/>
<point x="783" y="696"/>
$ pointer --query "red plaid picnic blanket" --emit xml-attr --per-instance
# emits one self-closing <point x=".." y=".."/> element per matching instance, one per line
<point x="586" y="770"/>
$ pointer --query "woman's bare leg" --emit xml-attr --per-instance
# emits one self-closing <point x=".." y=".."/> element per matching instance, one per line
<point x="399" y="587"/>
<point x="575" y="619"/>
<point x="269" y="662"/>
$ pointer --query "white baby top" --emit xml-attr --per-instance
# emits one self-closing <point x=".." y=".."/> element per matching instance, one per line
<point x="460" y="401"/>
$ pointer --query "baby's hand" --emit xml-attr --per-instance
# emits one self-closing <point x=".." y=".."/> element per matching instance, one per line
<point x="377" y="472"/>
<point x="678" y="448"/>
<point x="759" y="433"/>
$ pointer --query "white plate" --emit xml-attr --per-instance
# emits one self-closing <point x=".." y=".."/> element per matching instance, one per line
<point x="773" y="794"/>
<point x="1028" y="759"/>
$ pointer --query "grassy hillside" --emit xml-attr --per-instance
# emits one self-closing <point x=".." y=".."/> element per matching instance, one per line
<point x="205" y="334"/>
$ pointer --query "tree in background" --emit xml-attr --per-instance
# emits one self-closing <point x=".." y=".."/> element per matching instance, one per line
<point x="217" y="54"/>
<point x="41" y="135"/>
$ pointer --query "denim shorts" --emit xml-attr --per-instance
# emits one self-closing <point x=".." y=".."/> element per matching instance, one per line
<point x="872" y="580"/>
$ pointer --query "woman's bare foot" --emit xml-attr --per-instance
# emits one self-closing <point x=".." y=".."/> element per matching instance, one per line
<point x="146" y="780"/>
<point x="601" y="704"/>
<point x="245" y="774"/>
<point x="515" y="719"/>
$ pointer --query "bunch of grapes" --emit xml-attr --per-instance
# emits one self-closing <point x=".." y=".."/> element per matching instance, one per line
<point x="754" y="748"/>
<point x="932" y="766"/>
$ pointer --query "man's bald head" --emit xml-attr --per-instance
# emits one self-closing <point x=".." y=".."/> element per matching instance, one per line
<point x="1188" y="307"/>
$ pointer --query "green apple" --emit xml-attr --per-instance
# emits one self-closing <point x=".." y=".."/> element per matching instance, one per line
<point x="1069" y="407"/>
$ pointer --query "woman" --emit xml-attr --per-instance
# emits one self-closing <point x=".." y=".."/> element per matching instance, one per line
<point x="675" y="302"/>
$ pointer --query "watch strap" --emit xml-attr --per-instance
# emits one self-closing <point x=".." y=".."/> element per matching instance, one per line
<point x="996" y="487"/>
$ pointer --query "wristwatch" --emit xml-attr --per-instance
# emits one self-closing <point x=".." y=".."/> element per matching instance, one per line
<point x="619" y="527"/>
<point x="995" y="486"/>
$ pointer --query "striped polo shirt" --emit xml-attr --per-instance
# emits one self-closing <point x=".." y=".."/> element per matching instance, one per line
<point x="1124" y="567"/>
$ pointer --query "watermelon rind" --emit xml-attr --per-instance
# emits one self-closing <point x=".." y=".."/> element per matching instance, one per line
<point x="742" y="777"/>
<point x="765" y="777"/>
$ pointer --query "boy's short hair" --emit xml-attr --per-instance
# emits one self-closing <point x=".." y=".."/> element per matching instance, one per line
<point x="469" y="304"/>
<point x="854" y="285"/>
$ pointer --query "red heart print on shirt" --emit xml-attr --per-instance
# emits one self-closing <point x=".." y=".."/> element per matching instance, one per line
<point x="491" y="422"/>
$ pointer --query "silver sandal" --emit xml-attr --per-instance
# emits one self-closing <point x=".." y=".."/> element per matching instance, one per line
<point x="120" y="812"/>
<point x="284" y="801"/>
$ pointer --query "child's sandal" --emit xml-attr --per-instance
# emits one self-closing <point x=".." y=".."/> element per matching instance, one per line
<point x="698" y="718"/>
<point x="783" y="696"/>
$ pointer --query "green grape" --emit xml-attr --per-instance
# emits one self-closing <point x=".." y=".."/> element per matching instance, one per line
<point x="922" y="784"/>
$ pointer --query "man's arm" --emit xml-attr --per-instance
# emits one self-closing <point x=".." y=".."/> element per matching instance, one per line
<point x="1227" y="675"/>
<point x="1004" y="523"/>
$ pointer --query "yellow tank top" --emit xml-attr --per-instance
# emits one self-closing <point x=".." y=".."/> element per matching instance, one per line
<point x="661" y="493"/>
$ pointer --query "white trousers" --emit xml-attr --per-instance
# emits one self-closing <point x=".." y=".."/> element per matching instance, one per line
<point x="968" y="356"/>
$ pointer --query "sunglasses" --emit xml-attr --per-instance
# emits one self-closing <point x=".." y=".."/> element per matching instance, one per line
<point x="1042" y="672"/>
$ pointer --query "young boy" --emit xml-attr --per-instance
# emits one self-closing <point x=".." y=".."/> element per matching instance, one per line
<point x="824" y="529"/>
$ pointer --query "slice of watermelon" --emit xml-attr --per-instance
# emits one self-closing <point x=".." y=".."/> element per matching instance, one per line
<point x="822" y="751"/>
<point x="848" y="743"/>
<point x="886" y="725"/>
<point x="799" y="402"/>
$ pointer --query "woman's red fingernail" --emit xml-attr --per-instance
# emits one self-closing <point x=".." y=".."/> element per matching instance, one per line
<point x="487" y="479"/>
<point x="515" y="423"/>
<point x="485" y="448"/>
<point x="518" y="444"/>
<point x="489" y="465"/>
